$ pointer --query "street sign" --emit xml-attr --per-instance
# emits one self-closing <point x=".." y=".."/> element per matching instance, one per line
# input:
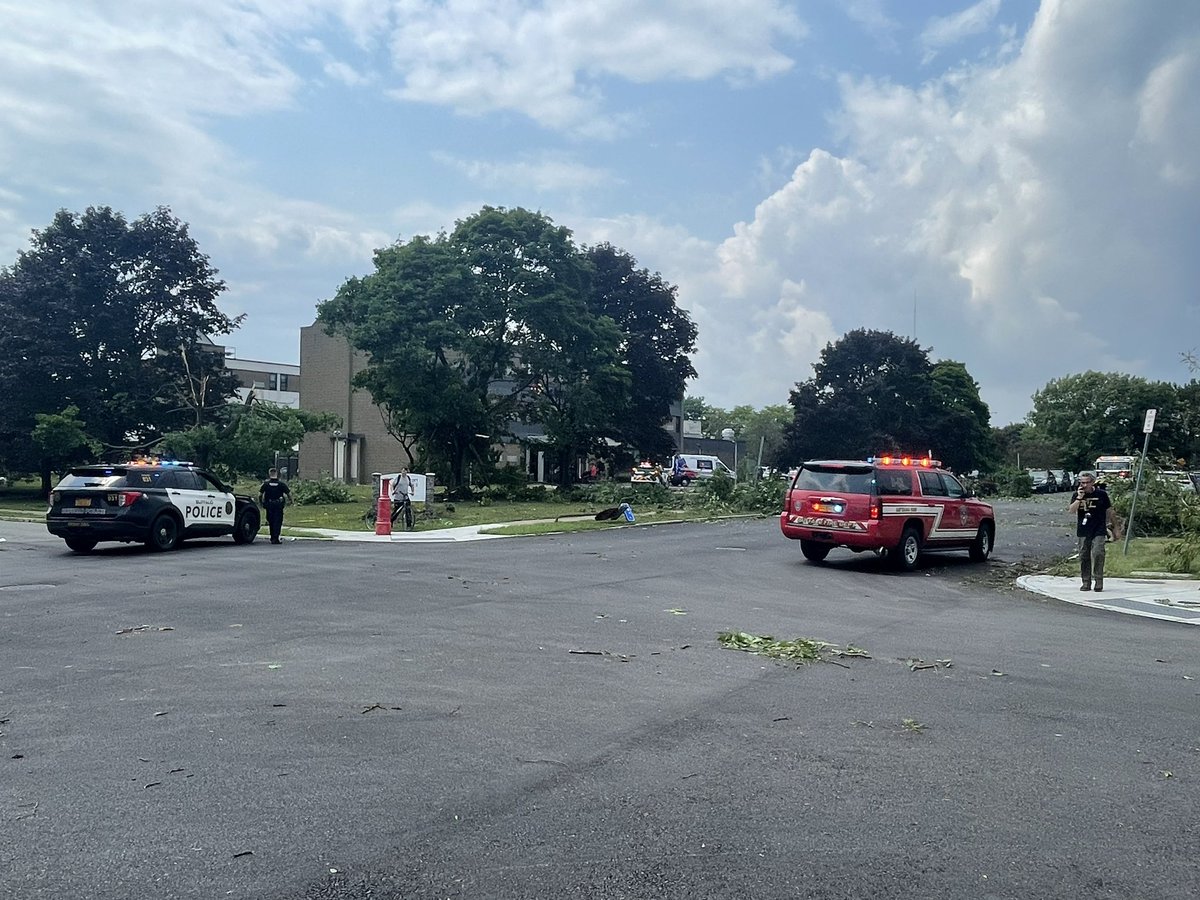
<point x="1149" y="425"/>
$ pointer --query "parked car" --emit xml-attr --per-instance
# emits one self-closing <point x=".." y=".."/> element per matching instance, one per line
<point x="898" y="507"/>
<point x="158" y="503"/>
<point x="1044" y="481"/>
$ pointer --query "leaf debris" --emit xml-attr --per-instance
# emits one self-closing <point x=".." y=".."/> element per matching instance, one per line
<point x="797" y="650"/>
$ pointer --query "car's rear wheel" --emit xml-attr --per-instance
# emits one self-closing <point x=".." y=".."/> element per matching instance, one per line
<point x="908" y="551"/>
<point x="981" y="547"/>
<point x="245" y="529"/>
<point x="164" y="533"/>
<point x="814" y="551"/>
<point x="81" y="545"/>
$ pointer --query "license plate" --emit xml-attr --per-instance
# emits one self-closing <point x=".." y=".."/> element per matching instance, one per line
<point x="83" y="501"/>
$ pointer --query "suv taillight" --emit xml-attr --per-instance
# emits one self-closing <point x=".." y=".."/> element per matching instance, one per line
<point x="876" y="509"/>
<point x="128" y="498"/>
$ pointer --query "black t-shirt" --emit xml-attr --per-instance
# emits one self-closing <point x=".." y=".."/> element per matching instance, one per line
<point x="273" y="491"/>
<point x="1092" y="514"/>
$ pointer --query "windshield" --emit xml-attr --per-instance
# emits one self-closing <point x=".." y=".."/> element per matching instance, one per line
<point x="850" y="479"/>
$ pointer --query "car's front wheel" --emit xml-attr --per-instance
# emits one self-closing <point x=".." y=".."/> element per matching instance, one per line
<point x="164" y="533"/>
<point x="245" y="529"/>
<point x="814" y="551"/>
<point x="908" y="551"/>
<point x="81" y="545"/>
<point x="981" y="547"/>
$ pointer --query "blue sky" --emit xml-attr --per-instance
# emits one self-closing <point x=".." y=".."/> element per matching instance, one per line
<point x="1023" y="176"/>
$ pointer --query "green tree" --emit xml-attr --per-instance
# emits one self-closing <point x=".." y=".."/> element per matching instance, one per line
<point x="62" y="441"/>
<point x="1099" y="413"/>
<point x="111" y="317"/>
<point x="246" y="444"/>
<point x="873" y="392"/>
<point x="655" y="343"/>
<point x="493" y="324"/>
<point x="961" y="420"/>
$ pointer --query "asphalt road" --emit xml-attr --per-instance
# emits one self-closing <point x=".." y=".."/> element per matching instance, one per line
<point x="554" y="717"/>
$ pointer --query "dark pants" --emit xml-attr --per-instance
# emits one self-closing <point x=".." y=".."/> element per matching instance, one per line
<point x="1091" y="558"/>
<point x="275" y="520"/>
<point x="398" y="508"/>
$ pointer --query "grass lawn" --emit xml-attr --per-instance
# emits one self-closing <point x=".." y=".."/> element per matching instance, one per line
<point x="1145" y="555"/>
<point x="24" y="501"/>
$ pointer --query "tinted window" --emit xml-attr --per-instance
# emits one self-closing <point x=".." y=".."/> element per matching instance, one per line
<point x="843" y="479"/>
<point x="185" y="480"/>
<point x="954" y="487"/>
<point x="894" y="482"/>
<point x="931" y="484"/>
<point x="96" y="478"/>
<point x="704" y="465"/>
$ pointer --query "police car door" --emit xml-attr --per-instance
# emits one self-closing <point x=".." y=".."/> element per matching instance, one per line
<point x="197" y="501"/>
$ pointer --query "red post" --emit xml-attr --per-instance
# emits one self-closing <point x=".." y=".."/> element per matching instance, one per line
<point x="383" y="512"/>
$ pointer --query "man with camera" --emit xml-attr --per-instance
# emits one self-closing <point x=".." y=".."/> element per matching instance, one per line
<point x="1093" y="517"/>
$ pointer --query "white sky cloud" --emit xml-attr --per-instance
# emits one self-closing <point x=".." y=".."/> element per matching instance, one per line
<point x="1033" y="210"/>
<point x="944" y="31"/>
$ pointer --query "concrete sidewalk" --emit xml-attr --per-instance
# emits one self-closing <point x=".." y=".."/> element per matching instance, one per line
<point x="434" y="536"/>
<point x="1151" y="595"/>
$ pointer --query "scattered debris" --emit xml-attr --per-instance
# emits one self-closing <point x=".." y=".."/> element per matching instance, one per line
<point x="798" y="650"/>
<point x="912" y="725"/>
<point x="676" y="611"/>
<point x="138" y="629"/>
<point x="380" y="706"/>
<point x="243" y="853"/>
<point x="160" y="713"/>
<point x="917" y="664"/>
<point x="33" y="808"/>
<point x="1165" y="773"/>
<point x="999" y="674"/>
<point x="587" y="652"/>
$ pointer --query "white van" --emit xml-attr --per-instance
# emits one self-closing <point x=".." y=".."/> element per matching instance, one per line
<point x="687" y="467"/>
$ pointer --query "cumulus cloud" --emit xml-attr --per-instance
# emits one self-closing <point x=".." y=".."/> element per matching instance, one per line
<point x="1035" y="218"/>
<point x="550" y="60"/>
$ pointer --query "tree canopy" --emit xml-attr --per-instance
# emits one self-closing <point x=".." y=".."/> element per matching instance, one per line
<point x="108" y="317"/>
<point x="505" y="320"/>
<point x="1098" y="413"/>
<point x="873" y="391"/>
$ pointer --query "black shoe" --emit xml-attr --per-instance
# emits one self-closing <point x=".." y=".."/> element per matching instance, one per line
<point x="1099" y="585"/>
<point x="1086" y="586"/>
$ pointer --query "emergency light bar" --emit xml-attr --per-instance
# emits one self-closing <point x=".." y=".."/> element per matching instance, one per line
<point x="925" y="462"/>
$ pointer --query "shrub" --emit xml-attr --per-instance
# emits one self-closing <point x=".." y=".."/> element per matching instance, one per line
<point x="1162" y="508"/>
<point x="319" y="491"/>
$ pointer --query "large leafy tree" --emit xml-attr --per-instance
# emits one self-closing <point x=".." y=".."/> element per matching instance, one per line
<point x="656" y="342"/>
<point x="961" y="420"/>
<point x="873" y="391"/>
<point x="1096" y="413"/>
<point x="491" y="324"/>
<point x="110" y="317"/>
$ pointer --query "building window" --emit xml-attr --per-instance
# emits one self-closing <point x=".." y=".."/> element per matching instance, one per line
<point x="283" y="382"/>
<point x="272" y="382"/>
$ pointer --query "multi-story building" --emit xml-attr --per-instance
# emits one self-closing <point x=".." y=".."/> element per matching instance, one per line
<point x="273" y="382"/>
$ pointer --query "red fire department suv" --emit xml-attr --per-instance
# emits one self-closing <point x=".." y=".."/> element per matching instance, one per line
<point x="899" y="507"/>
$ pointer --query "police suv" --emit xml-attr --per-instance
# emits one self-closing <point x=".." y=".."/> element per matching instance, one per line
<point x="896" y="506"/>
<point x="158" y="503"/>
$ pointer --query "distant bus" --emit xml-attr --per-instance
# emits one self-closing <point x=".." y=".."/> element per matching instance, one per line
<point x="1114" y="467"/>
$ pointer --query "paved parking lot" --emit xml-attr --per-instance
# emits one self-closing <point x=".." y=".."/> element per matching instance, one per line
<point x="555" y="717"/>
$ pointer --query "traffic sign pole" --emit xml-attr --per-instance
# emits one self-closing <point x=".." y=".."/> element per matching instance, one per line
<point x="1147" y="427"/>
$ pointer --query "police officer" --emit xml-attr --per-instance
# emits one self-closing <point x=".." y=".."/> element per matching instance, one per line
<point x="273" y="494"/>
